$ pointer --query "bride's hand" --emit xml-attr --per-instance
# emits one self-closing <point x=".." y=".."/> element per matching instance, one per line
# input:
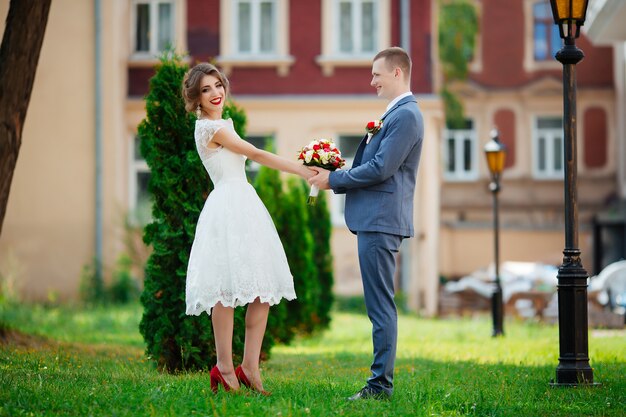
<point x="320" y="180"/>
<point x="307" y="173"/>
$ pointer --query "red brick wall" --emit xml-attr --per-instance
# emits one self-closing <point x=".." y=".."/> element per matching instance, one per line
<point x="504" y="120"/>
<point x="305" y="44"/>
<point x="595" y="137"/>
<point x="305" y="76"/>
<point x="203" y="28"/>
<point x="502" y="36"/>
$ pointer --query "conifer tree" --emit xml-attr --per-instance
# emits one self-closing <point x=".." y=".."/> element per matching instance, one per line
<point x="269" y="187"/>
<point x="320" y="225"/>
<point x="298" y="242"/>
<point x="179" y="186"/>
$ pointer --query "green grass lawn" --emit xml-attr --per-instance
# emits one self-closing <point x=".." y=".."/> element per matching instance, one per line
<point x="92" y="363"/>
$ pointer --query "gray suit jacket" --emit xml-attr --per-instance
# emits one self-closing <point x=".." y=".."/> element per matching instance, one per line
<point x="380" y="185"/>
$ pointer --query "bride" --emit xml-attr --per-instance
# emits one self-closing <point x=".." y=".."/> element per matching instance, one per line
<point x="237" y="258"/>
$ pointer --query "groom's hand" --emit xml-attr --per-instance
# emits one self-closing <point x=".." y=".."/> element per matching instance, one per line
<point x="320" y="179"/>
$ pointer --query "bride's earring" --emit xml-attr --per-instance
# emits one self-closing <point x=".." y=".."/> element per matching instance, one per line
<point x="198" y="111"/>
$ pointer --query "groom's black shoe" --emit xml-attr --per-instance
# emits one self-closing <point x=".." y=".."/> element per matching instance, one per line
<point x="369" y="393"/>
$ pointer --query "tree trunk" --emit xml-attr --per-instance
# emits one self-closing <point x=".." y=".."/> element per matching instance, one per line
<point x="19" y="54"/>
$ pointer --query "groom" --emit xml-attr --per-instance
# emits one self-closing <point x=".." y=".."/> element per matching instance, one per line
<point x="379" y="192"/>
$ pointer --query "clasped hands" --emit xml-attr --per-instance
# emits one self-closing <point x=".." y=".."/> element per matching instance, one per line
<point x="320" y="179"/>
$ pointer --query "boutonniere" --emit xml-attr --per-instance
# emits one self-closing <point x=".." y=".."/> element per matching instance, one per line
<point x="372" y="128"/>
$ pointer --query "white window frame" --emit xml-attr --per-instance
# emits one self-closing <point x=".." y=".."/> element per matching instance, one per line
<point x="460" y="136"/>
<point x="153" y="50"/>
<point x="230" y="57"/>
<point x="330" y="57"/>
<point x="357" y="19"/>
<point x="550" y="173"/>
<point x="255" y="11"/>
<point x="136" y="166"/>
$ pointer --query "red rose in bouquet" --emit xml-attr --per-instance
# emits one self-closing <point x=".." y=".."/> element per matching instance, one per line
<point x="321" y="153"/>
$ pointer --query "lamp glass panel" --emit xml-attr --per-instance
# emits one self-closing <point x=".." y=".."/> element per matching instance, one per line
<point x="562" y="9"/>
<point x="578" y="9"/>
<point x="571" y="9"/>
<point x="495" y="161"/>
<point x="500" y="157"/>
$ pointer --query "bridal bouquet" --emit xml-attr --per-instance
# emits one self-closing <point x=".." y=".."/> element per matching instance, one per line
<point x="321" y="153"/>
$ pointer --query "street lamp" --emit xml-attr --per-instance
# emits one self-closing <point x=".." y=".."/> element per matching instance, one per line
<point x="573" y="368"/>
<point x="496" y="155"/>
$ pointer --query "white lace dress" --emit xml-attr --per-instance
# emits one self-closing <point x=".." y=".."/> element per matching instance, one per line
<point x="236" y="255"/>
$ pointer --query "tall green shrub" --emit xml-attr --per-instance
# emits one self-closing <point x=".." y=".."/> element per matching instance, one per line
<point x="179" y="186"/>
<point x="305" y="234"/>
<point x="269" y="187"/>
<point x="298" y="242"/>
<point x="320" y="225"/>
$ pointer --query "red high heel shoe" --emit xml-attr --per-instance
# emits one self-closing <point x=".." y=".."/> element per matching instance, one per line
<point x="216" y="379"/>
<point x="243" y="379"/>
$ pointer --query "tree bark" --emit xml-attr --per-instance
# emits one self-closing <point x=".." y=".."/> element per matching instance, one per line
<point x="19" y="55"/>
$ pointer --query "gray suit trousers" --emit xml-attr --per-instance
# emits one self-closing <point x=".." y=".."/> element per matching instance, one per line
<point x="378" y="264"/>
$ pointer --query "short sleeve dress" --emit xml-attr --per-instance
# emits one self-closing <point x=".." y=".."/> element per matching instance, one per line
<point x="236" y="255"/>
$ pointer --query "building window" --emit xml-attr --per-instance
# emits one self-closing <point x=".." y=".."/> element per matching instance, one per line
<point x="261" y="142"/>
<point x="255" y="26"/>
<point x="348" y="144"/>
<point x="546" y="37"/>
<point x="140" y="203"/>
<point x="153" y="27"/>
<point x="352" y="32"/>
<point x="460" y="153"/>
<point x="548" y="148"/>
<point x="541" y="37"/>
<point x="356" y="23"/>
<point x="257" y="35"/>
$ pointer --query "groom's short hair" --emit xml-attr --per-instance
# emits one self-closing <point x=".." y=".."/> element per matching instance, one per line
<point x="396" y="57"/>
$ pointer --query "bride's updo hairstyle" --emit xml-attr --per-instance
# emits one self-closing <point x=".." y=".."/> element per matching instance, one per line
<point x="192" y="87"/>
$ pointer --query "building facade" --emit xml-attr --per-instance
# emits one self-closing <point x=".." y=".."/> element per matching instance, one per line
<point x="515" y="85"/>
<point x="300" y="70"/>
<point x="604" y="27"/>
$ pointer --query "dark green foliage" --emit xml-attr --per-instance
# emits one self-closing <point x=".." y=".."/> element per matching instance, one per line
<point x="269" y="187"/>
<point x="123" y="288"/>
<point x="305" y="233"/>
<point x="298" y="242"/>
<point x="179" y="186"/>
<point x="232" y="111"/>
<point x="92" y="290"/>
<point x="458" y="24"/>
<point x="454" y="109"/>
<point x="320" y="225"/>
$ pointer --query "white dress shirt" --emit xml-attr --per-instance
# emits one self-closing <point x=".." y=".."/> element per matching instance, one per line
<point x="395" y="100"/>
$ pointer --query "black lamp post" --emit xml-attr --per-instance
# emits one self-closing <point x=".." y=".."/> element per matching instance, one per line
<point x="496" y="155"/>
<point x="573" y="368"/>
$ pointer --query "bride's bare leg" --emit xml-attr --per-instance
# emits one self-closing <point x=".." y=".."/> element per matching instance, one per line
<point x="223" y="321"/>
<point x="256" y="321"/>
